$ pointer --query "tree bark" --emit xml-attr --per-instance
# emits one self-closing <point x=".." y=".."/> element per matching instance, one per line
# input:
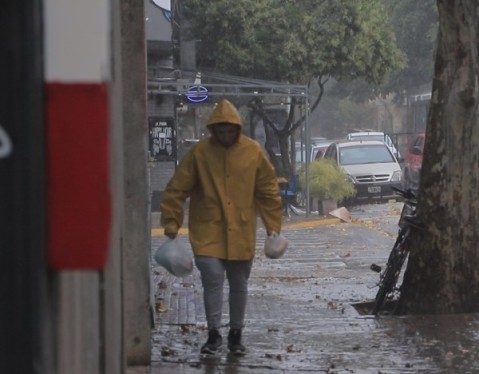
<point x="442" y="275"/>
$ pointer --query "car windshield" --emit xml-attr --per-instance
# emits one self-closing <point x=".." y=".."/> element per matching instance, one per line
<point x="364" y="154"/>
<point x="368" y="137"/>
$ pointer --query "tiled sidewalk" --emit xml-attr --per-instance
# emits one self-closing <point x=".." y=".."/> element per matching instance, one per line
<point x="301" y="316"/>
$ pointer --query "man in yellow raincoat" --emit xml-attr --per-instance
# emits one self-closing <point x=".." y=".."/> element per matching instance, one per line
<point x="229" y="180"/>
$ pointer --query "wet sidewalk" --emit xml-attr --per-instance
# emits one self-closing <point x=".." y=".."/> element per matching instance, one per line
<point x="301" y="314"/>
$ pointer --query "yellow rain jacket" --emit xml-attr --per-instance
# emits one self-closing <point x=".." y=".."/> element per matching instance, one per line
<point x="227" y="187"/>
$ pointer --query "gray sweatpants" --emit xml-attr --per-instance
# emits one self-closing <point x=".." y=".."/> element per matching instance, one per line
<point x="212" y="272"/>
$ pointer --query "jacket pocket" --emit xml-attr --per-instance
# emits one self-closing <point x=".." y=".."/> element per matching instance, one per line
<point x="246" y="215"/>
<point x="210" y="214"/>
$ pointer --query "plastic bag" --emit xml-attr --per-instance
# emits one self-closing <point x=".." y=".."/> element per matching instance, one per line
<point x="275" y="245"/>
<point x="175" y="258"/>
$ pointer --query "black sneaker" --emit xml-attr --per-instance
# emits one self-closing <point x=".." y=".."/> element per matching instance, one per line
<point x="234" y="342"/>
<point x="213" y="343"/>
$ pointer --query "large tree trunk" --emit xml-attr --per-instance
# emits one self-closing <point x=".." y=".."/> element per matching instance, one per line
<point x="443" y="270"/>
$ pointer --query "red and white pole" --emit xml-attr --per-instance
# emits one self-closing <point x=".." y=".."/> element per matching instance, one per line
<point x="77" y="73"/>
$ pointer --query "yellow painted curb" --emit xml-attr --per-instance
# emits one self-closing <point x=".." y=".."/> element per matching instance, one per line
<point x="286" y="226"/>
<point x="306" y="224"/>
<point x="159" y="232"/>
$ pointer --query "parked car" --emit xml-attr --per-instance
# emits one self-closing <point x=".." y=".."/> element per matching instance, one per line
<point x="413" y="162"/>
<point x="370" y="166"/>
<point x="317" y="151"/>
<point x="375" y="135"/>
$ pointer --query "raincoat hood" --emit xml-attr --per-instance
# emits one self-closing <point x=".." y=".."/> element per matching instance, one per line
<point x="225" y="112"/>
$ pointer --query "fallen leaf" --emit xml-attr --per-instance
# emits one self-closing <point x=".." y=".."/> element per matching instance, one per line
<point x="162" y="285"/>
<point x="332" y="305"/>
<point x="185" y="328"/>
<point x="161" y="308"/>
<point x="277" y="357"/>
<point x="166" y="351"/>
<point x="449" y="355"/>
<point x="290" y="349"/>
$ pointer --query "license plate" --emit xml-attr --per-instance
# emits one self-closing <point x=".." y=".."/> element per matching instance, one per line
<point x="374" y="189"/>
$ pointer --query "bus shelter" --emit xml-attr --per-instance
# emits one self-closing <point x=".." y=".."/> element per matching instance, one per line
<point x="199" y="90"/>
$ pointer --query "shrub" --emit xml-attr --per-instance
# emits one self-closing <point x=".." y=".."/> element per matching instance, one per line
<point x="327" y="181"/>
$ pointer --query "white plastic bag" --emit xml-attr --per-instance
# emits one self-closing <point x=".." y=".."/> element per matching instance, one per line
<point x="275" y="245"/>
<point x="175" y="258"/>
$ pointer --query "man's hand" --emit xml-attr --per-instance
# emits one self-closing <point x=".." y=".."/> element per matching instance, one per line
<point x="171" y="235"/>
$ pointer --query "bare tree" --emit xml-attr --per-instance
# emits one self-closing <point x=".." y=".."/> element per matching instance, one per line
<point x="295" y="119"/>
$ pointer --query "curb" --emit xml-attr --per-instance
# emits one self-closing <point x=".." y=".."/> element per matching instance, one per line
<point x="159" y="232"/>
<point x="287" y="226"/>
<point x="308" y="224"/>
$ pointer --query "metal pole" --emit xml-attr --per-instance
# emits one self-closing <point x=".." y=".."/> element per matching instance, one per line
<point x="308" y="155"/>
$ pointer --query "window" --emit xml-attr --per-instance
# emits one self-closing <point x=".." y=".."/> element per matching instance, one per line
<point x="364" y="155"/>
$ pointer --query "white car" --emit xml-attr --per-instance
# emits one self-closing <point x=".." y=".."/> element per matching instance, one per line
<point x="370" y="166"/>
<point x="375" y="135"/>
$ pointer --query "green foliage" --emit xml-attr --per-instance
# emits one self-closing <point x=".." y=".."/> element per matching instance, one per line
<point x="295" y="41"/>
<point x="327" y="181"/>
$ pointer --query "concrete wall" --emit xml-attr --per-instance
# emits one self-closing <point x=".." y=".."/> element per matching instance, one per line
<point x="104" y="318"/>
<point x="90" y="304"/>
<point x="74" y="321"/>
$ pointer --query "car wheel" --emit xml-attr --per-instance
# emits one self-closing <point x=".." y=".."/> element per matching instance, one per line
<point x="347" y="203"/>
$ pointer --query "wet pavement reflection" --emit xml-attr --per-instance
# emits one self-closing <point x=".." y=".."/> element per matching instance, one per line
<point x="303" y="313"/>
